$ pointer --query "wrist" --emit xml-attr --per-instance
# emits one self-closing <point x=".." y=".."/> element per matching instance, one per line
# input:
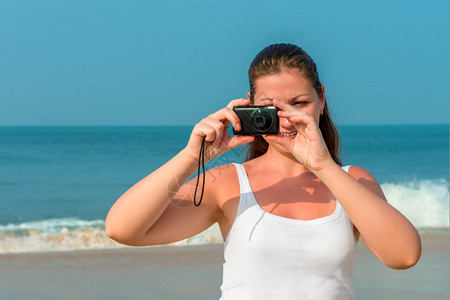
<point x="189" y="156"/>
<point x="327" y="168"/>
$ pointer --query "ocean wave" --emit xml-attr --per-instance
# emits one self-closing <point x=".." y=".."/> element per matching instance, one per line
<point x="74" y="234"/>
<point x="52" y="225"/>
<point x="425" y="203"/>
<point x="63" y="240"/>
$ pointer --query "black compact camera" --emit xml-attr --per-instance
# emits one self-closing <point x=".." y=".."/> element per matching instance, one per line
<point x="257" y="120"/>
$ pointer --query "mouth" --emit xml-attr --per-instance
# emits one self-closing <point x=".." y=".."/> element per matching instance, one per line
<point x="288" y="134"/>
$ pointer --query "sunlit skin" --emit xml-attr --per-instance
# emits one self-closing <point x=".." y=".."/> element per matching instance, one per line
<point x="296" y="178"/>
<point x="294" y="95"/>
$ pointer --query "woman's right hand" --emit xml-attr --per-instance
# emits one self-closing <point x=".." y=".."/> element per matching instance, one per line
<point x="214" y="128"/>
<point x="143" y="215"/>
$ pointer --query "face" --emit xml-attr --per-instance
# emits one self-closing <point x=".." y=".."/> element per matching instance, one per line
<point x="292" y="87"/>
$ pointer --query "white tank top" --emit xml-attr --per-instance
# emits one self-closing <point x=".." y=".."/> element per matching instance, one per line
<point x="273" y="257"/>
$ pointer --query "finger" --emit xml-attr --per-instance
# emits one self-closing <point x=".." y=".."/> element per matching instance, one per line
<point x="238" y="102"/>
<point x="218" y="128"/>
<point x="227" y="115"/>
<point x="283" y="106"/>
<point x="204" y="130"/>
<point x="304" y="122"/>
<point x="297" y="118"/>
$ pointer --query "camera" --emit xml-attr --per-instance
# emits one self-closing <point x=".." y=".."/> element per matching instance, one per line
<point x="257" y="120"/>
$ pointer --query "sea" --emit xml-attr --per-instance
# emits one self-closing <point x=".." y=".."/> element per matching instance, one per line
<point x="58" y="183"/>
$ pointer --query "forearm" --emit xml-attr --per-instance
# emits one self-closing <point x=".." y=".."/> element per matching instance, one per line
<point x="140" y="207"/>
<point x="138" y="210"/>
<point x="384" y="229"/>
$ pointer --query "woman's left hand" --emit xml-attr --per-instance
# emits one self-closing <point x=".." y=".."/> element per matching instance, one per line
<point x="308" y="146"/>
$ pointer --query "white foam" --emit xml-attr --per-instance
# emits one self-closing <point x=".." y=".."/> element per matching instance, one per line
<point x="74" y="234"/>
<point x="65" y="239"/>
<point x="52" y="225"/>
<point x="425" y="203"/>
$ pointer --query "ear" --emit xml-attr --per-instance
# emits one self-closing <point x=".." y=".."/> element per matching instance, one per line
<point x="323" y="97"/>
<point x="248" y="96"/>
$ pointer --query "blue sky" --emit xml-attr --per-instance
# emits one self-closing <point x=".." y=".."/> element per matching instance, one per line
<point x="174" y="62"/>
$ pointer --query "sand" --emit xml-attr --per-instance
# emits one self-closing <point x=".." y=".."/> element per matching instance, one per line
<point x="194" y="272"/>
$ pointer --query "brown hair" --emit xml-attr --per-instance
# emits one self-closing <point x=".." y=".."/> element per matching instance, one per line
<point x="270" y="61"/>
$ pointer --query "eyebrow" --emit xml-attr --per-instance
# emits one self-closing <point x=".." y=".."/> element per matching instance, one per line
<point x="267" y="98"/>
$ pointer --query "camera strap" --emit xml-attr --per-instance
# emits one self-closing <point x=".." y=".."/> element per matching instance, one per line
<point x="201" y="163"/>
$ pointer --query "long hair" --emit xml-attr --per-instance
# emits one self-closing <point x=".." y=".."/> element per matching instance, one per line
<point x="270" y="61"/>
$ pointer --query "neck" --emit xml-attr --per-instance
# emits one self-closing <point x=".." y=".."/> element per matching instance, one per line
<point x="283" y="162"/>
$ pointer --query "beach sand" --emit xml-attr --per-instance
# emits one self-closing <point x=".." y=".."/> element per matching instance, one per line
<point x="195" y="272"/>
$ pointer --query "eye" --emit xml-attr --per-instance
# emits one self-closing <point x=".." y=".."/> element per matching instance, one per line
<point x="300" y="103"/>
<point x="266" y="102"/>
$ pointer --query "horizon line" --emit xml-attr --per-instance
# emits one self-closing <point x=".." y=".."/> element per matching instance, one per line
<point x="189" y="125"/>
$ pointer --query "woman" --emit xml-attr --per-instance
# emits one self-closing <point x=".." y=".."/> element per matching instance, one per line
<point x="290" y="215"/>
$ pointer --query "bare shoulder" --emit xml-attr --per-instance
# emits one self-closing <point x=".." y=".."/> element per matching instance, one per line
<point x="223" y="184"/>
<point x="367" y="179"/>
<point x="221" y="174"/>
<point x="222" y="181"/>
<point x="358" y="172"/>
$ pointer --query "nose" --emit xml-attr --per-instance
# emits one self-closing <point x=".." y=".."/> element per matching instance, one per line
<point x="284" y="122"/>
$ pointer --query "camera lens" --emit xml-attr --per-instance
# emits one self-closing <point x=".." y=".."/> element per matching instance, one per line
<point x="261" y="120"/>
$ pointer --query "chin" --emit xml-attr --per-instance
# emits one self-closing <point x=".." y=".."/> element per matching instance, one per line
<point x="278" y="148"/>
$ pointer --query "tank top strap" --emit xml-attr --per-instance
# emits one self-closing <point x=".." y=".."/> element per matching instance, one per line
<point x="338" y="205"/>
<point x="246" y="199"/>
<point x="244" y="184"/>
<point x="346" y="168"/>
